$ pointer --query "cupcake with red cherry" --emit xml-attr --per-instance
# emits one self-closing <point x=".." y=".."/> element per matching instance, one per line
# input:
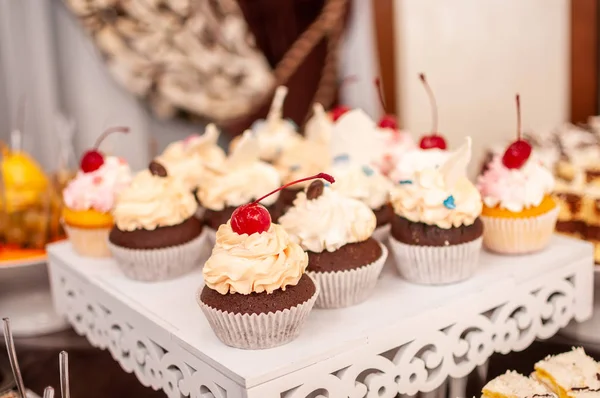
<point x="257" y="294"/>
<point x="241" y="179"/>
<point x="90" y="197"/>
<point x="437" y="231"/>
<point x="191" y="159"/>
<point x="308" y="156"/>
<point x="519" y="212"/>
<point x="274" y="134"/>
<point x="336" y="232"/>
<point x="156" y="236"/>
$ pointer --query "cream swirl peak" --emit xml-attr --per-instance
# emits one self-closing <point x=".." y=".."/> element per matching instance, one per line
<point x="319" y="128"/>
<point x="240" y="179"/>
<point x="153" y="201"/>
<point x="361" y="182"/>
<point x="254" y="263"/>
<point x="189" y="159"/>
<point x="275" y="133"/>
<point x="441" y="196"/>
<point x="515" y="189"/>
<point x="98" y="189"/>
<point x="328" y="221"/>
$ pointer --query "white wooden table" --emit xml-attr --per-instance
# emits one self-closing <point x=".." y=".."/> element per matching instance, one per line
<point x="405" y="339"/>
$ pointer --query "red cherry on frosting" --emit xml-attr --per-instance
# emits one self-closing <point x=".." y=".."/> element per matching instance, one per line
<point x="518" y="152"/>
<point x="338" y="111"/>
<point x="93" y="159"/>
<point x="255" y="218"/>
<point x="388" y="121"/>
<point x="433" y="140"/>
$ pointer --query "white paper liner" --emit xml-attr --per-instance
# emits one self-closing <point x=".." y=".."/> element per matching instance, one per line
<point x="258" y="331"/>
<point x="518" y="235"/>
<point x="382" y="234"/>
<point x="88" y="242"/>
<point x="349" y="287"/>
<point x="436" y="265"/>
<point x="153" y="265"/>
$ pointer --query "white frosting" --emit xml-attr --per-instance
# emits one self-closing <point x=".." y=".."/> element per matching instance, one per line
<point x="328" y="222"/>
<point x="513" y="384"/>
<point x="515" y="189"/>
<point x="239" y="180"/>
<point x="573" y="369"/>
<point x="417" y="160"/>
<point x="364" y="183"/>
<point x="320" y="127"/>
<point x="355" y="135"/>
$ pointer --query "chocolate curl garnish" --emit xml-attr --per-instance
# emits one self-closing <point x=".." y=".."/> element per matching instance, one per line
<point x="315" y="190"/>
<point x="157" y="169"/>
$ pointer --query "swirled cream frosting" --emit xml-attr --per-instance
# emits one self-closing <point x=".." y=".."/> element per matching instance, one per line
<point x="364" y="183"/>
<point x="254" y="263"/>
<point x="189" y="159"/>
<point x="328" y="222"/>
<point x="151" y="202"/>
<point x="442" y="196"/>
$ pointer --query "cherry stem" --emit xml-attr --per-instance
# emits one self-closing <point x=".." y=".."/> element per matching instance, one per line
<point x="434" y="110"/>
<point x="324" y="176"/>
<point x="109" y="131"/>
<point x="380" y="94"/>
<point x="518" y="99"/>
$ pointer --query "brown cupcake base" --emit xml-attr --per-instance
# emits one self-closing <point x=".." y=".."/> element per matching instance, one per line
<point x="384" y="214"/>
<point x="420" y="234"/>
<point x="350" y="256"/>
<point x="214" y="219"/>
<point x="159" y="238"/>
<point x="260" y="303"/>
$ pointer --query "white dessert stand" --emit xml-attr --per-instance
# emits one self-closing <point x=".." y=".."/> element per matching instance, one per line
<point x="405" y="339"/>
<point x="25" y="298"/>
<point x="587" y="332"/>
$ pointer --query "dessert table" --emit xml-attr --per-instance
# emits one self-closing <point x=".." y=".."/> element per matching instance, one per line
<point x="405" y="339"/>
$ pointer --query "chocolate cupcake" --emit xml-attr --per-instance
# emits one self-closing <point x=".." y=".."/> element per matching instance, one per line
<point x="241" y="179"/>
<point x="257" y="294"/>
<point x="156" y="235"/>
<point x="367" y="184"/>
<point x="436" y="230"/>
<point x="336" y="231"/>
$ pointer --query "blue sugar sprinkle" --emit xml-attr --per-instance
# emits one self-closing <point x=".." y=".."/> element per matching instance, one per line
<point x="326" y="184"/>
<point x="404" y="182"/>
<point x="367" y="170"/>
<point x="341" y="158"/>
<point x="449" y="203"/>
<point x="295" y="167"/>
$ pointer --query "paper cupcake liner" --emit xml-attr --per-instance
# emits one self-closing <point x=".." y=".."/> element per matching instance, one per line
<point x="258" y="331"/>
<point x="518" y="235"/>
<point x="152" y="265"/>
<point x="382" y="234"/>
<point x="211" y="236"/>
<point x="349" y="287"/>
<point x="436" y="265"/>
<point x="88" y="242"/>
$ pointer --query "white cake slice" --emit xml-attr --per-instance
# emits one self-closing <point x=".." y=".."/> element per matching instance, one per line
<point x="514" y="385"/>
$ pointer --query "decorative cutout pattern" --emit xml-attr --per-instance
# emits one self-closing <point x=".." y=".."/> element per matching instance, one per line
<point x="423" y="364"/>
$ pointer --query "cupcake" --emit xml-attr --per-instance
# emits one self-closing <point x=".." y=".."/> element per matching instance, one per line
<point x="308" y="156"/>
<point x="436" y="230"/>
<point x="274" y="134"/>
<point x="336" y="232"/>
<point x="417" y="160"/>
<point x="90" y="197"/>
<point x="156" y="236"/>
<point x="367" y="184"/>
<point x="519" y="212"/>
<point x="241" y="179"/>
<point x="257" y="294"/>
<point x="189" y="159"/>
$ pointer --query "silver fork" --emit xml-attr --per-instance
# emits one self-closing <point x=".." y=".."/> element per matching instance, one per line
<point x="12" y="356"/>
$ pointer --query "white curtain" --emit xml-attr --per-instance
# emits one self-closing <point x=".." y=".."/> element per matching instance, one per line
<point x="46" y="58"/>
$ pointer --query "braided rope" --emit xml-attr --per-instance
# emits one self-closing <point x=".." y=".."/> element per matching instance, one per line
<point x="328" y="21"/>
